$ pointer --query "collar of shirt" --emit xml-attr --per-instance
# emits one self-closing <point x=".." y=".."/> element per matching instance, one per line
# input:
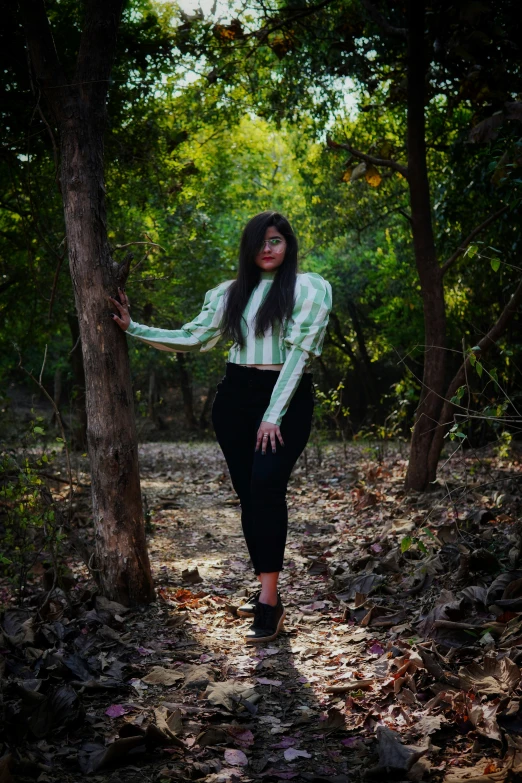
<point x="268" y="274"/>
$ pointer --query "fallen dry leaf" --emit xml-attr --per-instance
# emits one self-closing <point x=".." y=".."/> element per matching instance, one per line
<point x="393" y="755"/>
<point x="159" y="675"/>
<point x="236" y="757"/>
<point x="493" y="677"/>
<point x="291" y="754"/>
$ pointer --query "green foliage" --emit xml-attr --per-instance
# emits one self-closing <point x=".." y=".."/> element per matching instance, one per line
<point x="212" y="121"/>
<point x="408" y="541"/>
<point x="329" y="410"/>
<point x="504" y="444"/>
<point x="28" y="519"/>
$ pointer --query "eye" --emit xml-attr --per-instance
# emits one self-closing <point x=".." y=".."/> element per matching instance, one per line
<point x="275" y="241"/>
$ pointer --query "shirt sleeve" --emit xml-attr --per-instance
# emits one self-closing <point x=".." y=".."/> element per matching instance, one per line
<point x="304" y="336"/>
<point x="200" y="334"/>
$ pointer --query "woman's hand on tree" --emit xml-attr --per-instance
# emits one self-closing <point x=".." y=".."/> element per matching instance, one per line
<point x="268" y="432"/>
<point x="124" y="319"/>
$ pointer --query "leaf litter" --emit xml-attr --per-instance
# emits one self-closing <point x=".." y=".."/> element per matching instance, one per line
<point x="400" y="657"/>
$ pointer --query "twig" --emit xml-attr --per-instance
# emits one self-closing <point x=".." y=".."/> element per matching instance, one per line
<point x="47" y="597"/>
<point x="391" y="164"/>
<point x="75" y="346"/>
<point x="43" y="365"/>
<point x="58" y="419"/>
<point x="466" y="374"/>
<point x="90" y="568"/>
<point x="60" y="480"/>
<point x="264" y="32"/>
<point x="458" y="252"/>
<point x="128" y="244"/>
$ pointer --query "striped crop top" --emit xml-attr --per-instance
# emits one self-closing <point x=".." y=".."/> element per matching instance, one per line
<point x="293" y="344"/>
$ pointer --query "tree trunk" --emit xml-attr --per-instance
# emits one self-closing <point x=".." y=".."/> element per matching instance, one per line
<point x="79" y="431"/>
<point x="186" y="391"/>
<point x="363" y="351"/>
<point x="79" y="108"/>
<point x="207" y="406"/>
<point x="152" y="395"/>
<point x="420" y="470"/>
<point x="57" y="393"/>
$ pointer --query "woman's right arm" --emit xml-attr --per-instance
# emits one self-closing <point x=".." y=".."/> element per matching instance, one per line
<point x="200" y="334"/>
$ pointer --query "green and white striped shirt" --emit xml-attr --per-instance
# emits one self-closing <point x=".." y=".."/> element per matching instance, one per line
<point x="294" y="344"/>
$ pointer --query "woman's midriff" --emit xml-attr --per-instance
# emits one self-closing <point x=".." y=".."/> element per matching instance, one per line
<point x="269" y="367"/>
<point x="266" y="366"/>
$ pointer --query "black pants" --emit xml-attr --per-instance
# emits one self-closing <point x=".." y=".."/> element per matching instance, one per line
<point x="261" y="480"/>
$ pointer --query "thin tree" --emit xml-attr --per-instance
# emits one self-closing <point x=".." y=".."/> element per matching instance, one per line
<point x="76" y="106"/>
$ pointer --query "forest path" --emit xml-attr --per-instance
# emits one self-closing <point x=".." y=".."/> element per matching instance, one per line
<point x="396" y="661"/>
<point x="363" y="566"/>
<point x="195" y="515"/>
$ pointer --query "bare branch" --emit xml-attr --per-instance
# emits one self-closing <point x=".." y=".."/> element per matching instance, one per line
<point x="489" y="339"/>
<point x="43" y="366"/>
<point x="458" y="252"/>
<point x="378" y="18"/>
<point x="39" y="383"/>
<point x="384" y="162"/>
<point x="380" y="218"/>
<point x="128" y="244"/>
<point x="342" y="342"/>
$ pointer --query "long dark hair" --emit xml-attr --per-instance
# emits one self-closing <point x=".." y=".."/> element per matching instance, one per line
<point x="279" y="302"/>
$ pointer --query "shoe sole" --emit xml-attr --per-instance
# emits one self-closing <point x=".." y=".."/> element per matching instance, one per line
<point x="263" y="639"/>
<point x="243" y="613"/>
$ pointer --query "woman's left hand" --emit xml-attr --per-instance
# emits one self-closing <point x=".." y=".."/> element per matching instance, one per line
<point x="268" y="432"/>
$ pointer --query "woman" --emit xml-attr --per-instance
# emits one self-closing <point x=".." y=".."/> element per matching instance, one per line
<point x="277" y="320"/>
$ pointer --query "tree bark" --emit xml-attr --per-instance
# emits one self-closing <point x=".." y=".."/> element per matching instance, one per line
<point x="79" y="431"/>
<point x="186" y="391"/>
<point x="152" y="395"/>
<point x="79" y="109"/>
<point x="420" y="471"/>
<point x="207" y="407"/>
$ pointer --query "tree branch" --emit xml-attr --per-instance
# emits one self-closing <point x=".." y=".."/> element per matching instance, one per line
<point x="60" y="424"/>
<point x="42" y="50"/>
<point x="458" y="252"/>
<point x="14" y="210"/>
<point x="343" y="343"/>
<point x="383" y="216"/>
<point x="307" y="11"/>
<point x="378" y="18"/>
<point x="390" y="164"/>
<point x="484" y="344"/>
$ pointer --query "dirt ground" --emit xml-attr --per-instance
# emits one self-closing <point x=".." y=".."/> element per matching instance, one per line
<point x="399" y="659"/>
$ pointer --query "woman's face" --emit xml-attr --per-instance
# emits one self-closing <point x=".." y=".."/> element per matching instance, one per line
<point x="272" y="254"/>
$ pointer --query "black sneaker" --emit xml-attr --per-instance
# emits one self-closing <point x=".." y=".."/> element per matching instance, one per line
<point x="249" y="607"/>
<point x="268" y="621"/>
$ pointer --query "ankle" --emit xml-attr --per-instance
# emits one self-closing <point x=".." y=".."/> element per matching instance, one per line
<point x="268" y="597"/>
